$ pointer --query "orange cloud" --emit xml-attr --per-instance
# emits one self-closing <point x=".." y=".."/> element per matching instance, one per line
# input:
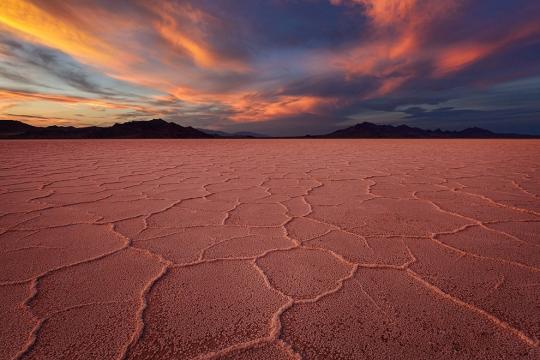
<point x="462" y="55"/>
<point x="253" y="110"/>
<point x="389" y="85"/>
<point x="399" y="28"/>
<point x="188" y="36"/>
<point x="254" y="107"/>
<point x="409" y="21"/>
<point x="89" y="33"/>
<point x="385" y="13"/>
<point x="200" y="55"/>
<point x="45" y="28"/>
<point x="21" y="96"/>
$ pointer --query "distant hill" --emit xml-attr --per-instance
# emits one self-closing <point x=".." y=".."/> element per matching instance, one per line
<point x="10" y="128"/>
<point x="160" y="129"/>
<point x="152" y="129"/>
<point x="368" y="130"/>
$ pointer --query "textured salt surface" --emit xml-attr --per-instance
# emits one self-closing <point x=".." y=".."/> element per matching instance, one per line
<point x="271" y="249"/>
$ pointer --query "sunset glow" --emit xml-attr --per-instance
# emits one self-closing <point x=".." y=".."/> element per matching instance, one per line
<point x="270" y="66"/>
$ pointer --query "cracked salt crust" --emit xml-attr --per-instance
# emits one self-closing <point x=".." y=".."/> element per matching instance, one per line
<point x="296" y="249"/>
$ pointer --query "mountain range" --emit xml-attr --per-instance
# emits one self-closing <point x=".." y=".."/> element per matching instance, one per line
<point x="152" y="129"/>
<point x="368" y="130"/>
<point x="160" y="129"/>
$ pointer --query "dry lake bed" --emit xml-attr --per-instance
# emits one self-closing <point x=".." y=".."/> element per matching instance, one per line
<point x="270" y="249"/>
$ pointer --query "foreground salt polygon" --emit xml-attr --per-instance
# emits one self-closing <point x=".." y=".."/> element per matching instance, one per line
<point x="269" y="249"/>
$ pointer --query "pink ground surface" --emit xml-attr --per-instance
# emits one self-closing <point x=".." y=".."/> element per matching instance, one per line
<point x="271" y="249"/>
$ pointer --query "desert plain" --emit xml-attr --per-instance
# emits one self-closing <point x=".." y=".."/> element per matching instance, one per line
<point x="270" y="249"/>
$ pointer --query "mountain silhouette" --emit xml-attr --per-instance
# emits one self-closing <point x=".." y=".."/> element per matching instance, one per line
<point x="368" y="130"/>
<point x="161" y="129"/>
<point x="152" y="129"/>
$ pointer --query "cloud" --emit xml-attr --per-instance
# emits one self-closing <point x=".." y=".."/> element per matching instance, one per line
<point x="404" y="13"/>
<point x="260" y="64"/>
<point x="51" y="61"/>
<point x="36" y="24"/>
<point x="186" y="29"/>
<point x="455" y="58"/>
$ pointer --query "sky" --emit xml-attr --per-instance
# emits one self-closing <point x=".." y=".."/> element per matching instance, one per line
<point x="278" y="67"/>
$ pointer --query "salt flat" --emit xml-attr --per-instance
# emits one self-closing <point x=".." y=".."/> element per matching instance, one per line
<point x="270" y="249"/>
